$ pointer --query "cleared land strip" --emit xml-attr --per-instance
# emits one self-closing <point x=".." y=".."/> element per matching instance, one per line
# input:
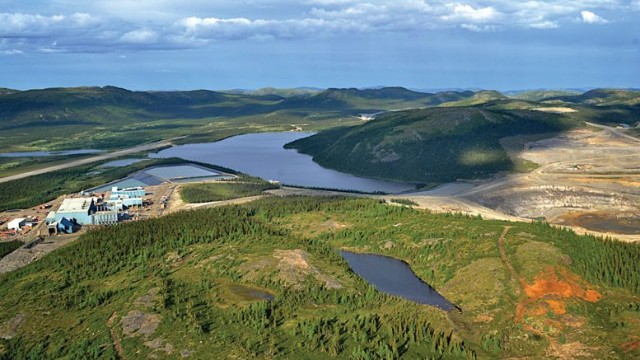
<point x="614" y="131"/>
<point x="90" y="160"/>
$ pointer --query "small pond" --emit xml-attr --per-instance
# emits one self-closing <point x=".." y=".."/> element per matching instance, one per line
<point x="395" y="277"/>
<point x="249" y="293"/>
<point x="181" y="171"/>
<point x="156" y="175"/>
<point x="121" y="163"/>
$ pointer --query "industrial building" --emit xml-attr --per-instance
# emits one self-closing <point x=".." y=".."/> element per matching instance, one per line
<point x="134" y="192"/>
<point x="83" y="211"/>
<point x="16" y="224"/>
<point x="125" y="198"/>
<point x="92" y="210"/>
<point x="78" y="210"/>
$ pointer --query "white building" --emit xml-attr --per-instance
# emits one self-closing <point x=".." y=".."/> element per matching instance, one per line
<point x="16" y="224"/>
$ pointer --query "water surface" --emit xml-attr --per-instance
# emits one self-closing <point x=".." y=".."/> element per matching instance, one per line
<point x="180" y="171"/>
<point x="395" y="277"/>
<point x="263" y="155"/>
<point x="121" y="163"/>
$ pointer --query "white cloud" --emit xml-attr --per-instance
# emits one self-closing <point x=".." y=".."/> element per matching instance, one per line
<point x="11" y="52"/>
<point x="329" y="2"/>
<point x="140" y="36"/>
<point x="466" y="13"/>
<point x="478" y="28"/>
<point x="589" y="17"/>
<point x="544" y="25"/>
<point x="162" y="24"/>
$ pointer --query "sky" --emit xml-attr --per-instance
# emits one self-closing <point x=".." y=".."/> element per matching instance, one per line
<point x="250" y="44"/>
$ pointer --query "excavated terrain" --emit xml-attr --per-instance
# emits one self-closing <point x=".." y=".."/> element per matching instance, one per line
<point x="587" y="179"/>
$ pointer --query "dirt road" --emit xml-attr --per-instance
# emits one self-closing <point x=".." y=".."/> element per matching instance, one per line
<point x="614" y="130"/>
<point x="90" y="160"/>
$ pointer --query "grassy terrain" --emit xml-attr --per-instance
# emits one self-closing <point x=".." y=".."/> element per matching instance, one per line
<point x="218" y="191"/>
<point x="194" y="283"/>
<point x="7" y="247"/>
<point x="431" y="145"/>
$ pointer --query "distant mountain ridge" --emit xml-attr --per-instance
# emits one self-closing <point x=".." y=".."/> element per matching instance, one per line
<point x="118" y="113"/>
<point x="602" y="97"/>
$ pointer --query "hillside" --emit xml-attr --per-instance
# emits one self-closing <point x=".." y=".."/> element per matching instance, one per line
<point x="110" y="117"/>
<point x="287" y="92"/>
<point x="264" y="280"/>
<point x="538" y="95"/>
<point x="429" y="145"/>
<point x="602" y="97"/>
<point x="389" y="98"/>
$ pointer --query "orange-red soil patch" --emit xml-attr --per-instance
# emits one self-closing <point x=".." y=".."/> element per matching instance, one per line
<point x="554" y="286"/>
<point x="538" y="310"/>
<point x="569" y="285"/>
<point x="558" y="307"/>
<point x="631" y="345"/>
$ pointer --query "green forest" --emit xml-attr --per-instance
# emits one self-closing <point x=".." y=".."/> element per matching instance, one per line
<point x="7" y="247"/>
<point x="430" y="145"/>
<point x="224" y="190"/>
<point x="265" y="280"/>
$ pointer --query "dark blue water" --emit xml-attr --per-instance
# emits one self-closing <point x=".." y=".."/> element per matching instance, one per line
<point x="49" y="153"/>
<point x="121" y="163"/>
<point x="180" y="171"/>
<point x="263" y="155"/>
<point x="395" y="277"/>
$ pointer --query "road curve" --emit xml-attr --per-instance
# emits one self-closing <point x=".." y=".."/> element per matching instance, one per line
<point x="90" y="160"/>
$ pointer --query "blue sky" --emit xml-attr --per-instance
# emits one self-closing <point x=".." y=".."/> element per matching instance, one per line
<point x="218" y="44"/>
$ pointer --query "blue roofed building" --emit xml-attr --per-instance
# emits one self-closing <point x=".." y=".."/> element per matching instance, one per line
<point x="78" y="210"/>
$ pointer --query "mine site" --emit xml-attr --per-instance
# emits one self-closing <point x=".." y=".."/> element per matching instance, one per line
<point x="587" y="179"/>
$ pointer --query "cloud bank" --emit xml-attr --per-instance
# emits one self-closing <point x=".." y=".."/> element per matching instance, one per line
<point x="122" y="25"/>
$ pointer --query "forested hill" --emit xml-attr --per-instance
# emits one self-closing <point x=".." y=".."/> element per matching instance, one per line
<point x="602" y="97"/>
<point x="110" y="105"/>
<point x="104" y="105"/>
<point x="429" y="145"/>
<point x="265" y="281"/>
<point x="388" y="98"/>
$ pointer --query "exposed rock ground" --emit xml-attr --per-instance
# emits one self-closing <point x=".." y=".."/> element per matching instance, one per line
<point x="594" y="172"/>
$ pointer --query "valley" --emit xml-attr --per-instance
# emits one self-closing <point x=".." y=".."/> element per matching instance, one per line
<point x="522" y="240"/>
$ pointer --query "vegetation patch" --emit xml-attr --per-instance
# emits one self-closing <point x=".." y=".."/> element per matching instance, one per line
<point x="406" y="202"/>
<point x="8" y="247"/>
<point x="187" y="282"/>
<point x="431" y="145"/>
<point x="225" y="190"/>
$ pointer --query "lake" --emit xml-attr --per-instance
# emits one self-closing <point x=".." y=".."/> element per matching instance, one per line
<point x="395" y="277"/>
<point x="263" y="155"/>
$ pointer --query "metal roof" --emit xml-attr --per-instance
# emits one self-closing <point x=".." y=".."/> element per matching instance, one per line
<point x="75" y="204"/>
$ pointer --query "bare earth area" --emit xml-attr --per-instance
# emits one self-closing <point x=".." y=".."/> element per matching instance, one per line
<point x="587" y="180"/>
